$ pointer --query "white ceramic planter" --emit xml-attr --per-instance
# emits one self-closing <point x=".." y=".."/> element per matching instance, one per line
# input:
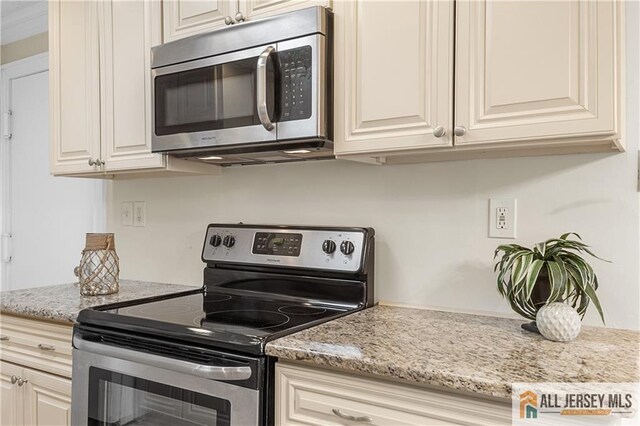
<point x="558" y="322"/>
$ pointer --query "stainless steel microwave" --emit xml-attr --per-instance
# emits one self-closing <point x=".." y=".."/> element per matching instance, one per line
<point x="254" y="92"/>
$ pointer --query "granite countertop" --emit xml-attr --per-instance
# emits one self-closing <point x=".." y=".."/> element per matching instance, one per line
<point x="63" y="302"/>
<point x="465" y="352"/>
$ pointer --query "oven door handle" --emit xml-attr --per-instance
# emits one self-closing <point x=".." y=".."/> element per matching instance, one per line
<point x="213" y="372"/>
<point x="261" y="88"/>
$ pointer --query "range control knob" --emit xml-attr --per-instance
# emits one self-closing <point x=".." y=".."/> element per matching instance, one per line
<point x="215" y="240"/>
<point x="229" y="241"/>
<point x="328" y="246"/>
<point x="347" y="247"/>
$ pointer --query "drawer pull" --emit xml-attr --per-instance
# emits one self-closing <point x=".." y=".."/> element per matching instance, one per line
<point x="361" y="419"/>
<point x="46" y="347"/>
<point x="4" y="338"/>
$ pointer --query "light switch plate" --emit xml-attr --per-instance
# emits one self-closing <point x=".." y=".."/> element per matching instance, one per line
<point x="502" y="217"/>
<point x="140" y="213"/>
<point x="126" y="213"/>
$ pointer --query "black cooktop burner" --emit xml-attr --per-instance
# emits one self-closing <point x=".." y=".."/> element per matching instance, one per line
<point x="301" y="310"/>
<point x="250" y="319"/>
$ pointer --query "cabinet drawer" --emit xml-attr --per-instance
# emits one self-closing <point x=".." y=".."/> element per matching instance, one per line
<point x="37" y="344"/>
<point x="311" y="396"/>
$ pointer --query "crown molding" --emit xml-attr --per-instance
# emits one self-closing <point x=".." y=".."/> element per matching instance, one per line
<point x="25" y="22"/>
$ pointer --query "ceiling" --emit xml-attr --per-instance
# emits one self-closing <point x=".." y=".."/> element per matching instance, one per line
<point x="8" y="7"/>
<point x="21" y="19"/>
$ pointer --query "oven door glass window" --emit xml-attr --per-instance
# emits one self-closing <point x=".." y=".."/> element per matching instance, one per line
<point x="215" y="97"/>
<point x="119" y="399"/>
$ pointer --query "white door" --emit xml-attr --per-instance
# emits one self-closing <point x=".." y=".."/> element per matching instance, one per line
<point x="47" y="217"/>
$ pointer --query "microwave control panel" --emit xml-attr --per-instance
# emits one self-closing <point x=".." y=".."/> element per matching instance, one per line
<point x="295" y="90"/>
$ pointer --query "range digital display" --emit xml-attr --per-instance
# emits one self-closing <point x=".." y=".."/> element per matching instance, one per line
<point x="277" y="244"/>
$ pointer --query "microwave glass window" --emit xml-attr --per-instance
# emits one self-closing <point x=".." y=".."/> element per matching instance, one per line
<point x="210" y="98"/>
<point x="119" y="399"/>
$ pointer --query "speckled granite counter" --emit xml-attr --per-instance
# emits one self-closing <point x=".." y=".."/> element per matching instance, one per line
<point x="464" y="352"/>
<point x="63" y="302"/>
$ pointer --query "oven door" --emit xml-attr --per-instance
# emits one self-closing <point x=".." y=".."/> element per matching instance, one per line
<point x="221" y="100"/>
<point x="116" y="386"/>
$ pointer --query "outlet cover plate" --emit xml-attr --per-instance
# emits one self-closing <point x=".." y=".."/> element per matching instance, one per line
<point x="506" y="226"/>
<point x="126" y="213"/>
<point x="139" y="213"/>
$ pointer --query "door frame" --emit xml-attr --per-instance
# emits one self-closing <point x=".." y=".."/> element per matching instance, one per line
<point x="13" y="70"/>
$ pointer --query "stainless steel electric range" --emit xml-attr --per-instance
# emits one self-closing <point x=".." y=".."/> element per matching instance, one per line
<point x="198" y="357"/>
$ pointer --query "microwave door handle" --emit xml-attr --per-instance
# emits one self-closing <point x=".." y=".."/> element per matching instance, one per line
<point x="261" y="88"/>
<point x="212" y="372"/>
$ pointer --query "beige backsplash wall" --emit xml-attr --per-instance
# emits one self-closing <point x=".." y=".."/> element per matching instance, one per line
<point x="430" y="220"/>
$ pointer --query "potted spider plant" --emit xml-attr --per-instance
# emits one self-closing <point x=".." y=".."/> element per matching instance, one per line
<point x="553" y="271"/>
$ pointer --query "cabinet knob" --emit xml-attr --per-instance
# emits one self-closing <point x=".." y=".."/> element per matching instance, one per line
<point x="240" y="17"/>
<point x="229" y="20"/>
<point x="21" y="381"/>
<point x="459" y="130"/>
<point x="14" y="379"/>
<point x="44" y="347"/>
<point x="96" y="162"/>
<point x="439" y="132"/>
<point x="360" y="419"/>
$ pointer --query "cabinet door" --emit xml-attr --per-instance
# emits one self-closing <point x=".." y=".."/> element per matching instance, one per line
<point x="10" y="395"/>
<point x="47" y="399"/>
<point x="74" y="96"/>
<point x="183" y="18"/>
<point x="128" y="30"/>
<point x="536" y="70"/>
<point x="256" y="9"/>
<point x="393" y="75"/>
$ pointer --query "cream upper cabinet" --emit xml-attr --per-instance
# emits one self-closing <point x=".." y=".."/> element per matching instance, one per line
<point x="393" y="75"/>
<point x="130" y="29"/>
<point x="256" y="9"/>
<point x="74" y="86"/>
<point x="530" y="77"/>
<point x="538" y="70"/>
<point x="183" y="18"/>
<point x="100" y="90"/>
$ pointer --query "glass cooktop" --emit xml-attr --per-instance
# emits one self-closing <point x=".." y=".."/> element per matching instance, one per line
<point x="235" y="321"/>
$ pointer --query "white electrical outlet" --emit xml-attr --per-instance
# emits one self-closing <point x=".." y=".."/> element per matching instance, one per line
<point x="502" y="217"/>
<point x="139" y="213"/>
<point x="126" y="213"/>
